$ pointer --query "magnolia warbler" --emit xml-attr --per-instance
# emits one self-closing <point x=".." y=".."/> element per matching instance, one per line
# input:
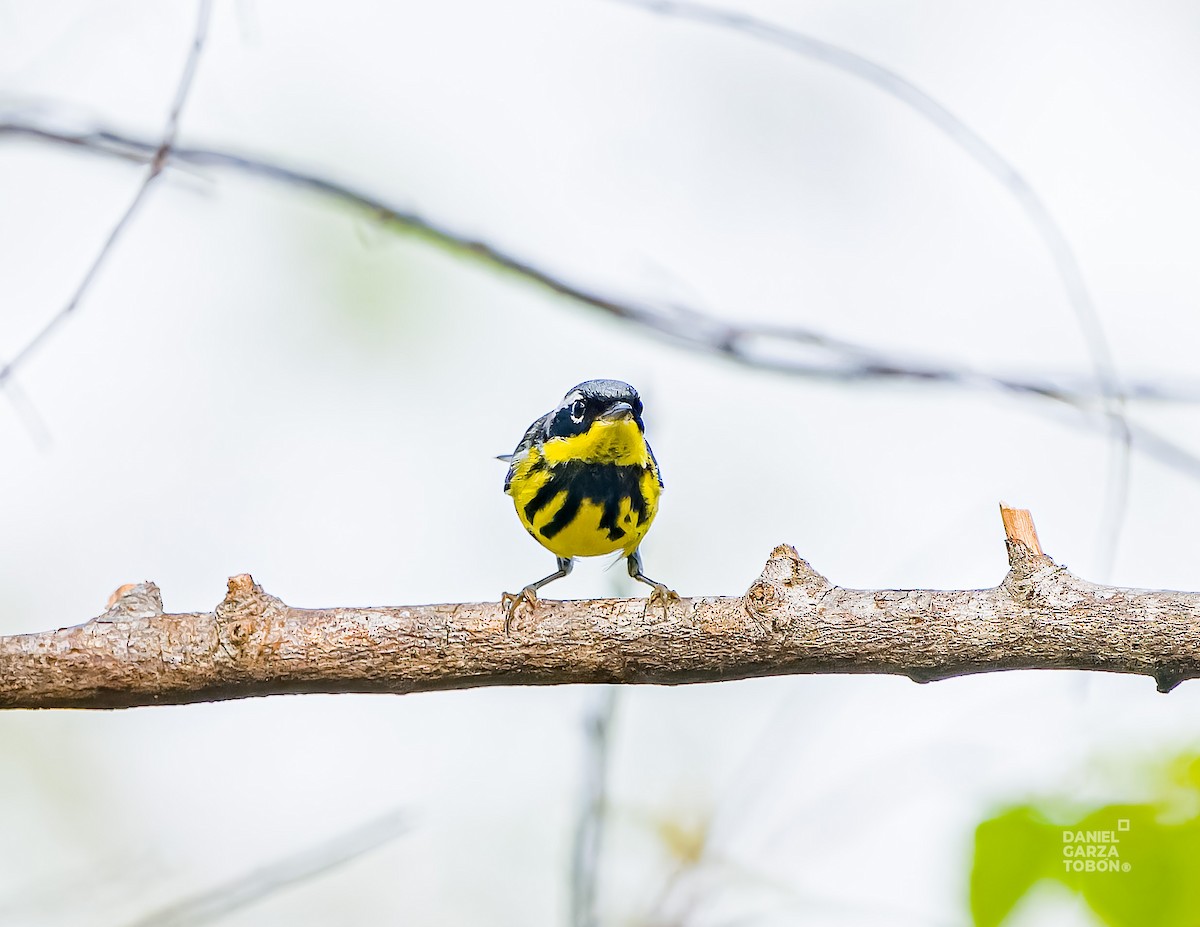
<point x="585" y="483"/>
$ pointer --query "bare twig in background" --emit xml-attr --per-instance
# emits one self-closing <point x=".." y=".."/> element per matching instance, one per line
<point x="687" y="839"/>
<point x="767" y="347"/>
<point x="952" y="126"/>
<point x="28" y="414"/>
<point x="792" y="620"/>
<point x="213" y="905"/>
<point x="789" y="350"/>
<point x="794" y="351"/>
<point x="157" y="161"/>
<point x="1004" y="172"/>
<point x="589" y="832"/>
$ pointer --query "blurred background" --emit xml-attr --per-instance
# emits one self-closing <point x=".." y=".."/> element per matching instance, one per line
<point x="264" y="380"/>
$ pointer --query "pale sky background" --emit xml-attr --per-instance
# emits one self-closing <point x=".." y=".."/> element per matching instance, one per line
<point x="263" y="382"/>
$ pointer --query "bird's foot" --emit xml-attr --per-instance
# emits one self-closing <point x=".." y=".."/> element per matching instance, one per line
<point x="510" y="603"/>
<point x="663" y="597"/>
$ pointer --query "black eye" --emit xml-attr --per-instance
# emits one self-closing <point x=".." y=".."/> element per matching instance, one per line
<point x="578" y="408"/>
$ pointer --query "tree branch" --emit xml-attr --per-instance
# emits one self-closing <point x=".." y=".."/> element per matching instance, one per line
<point x="792" y="620"/>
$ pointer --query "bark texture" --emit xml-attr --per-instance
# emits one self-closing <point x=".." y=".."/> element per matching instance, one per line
<point x="791" y="620"/>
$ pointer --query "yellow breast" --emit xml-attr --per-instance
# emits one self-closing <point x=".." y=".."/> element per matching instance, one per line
<point x="589" y="494"/>
<point x="618" y="442"/>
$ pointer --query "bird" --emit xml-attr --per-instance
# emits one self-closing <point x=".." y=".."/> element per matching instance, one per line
<point x="585" y="483"/>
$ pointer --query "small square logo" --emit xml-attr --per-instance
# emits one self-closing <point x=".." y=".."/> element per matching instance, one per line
<point x="1122" y="824"/>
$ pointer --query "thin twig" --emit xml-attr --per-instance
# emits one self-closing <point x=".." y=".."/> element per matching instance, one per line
<point x="158" y="161"/>
<point x="242" y="892"/>
<point x="766" y="347"/>
<point x="949" y="124"/>
<point x="29" y="416"/>
<point x="593" y="810"/>
<point x="771" y="347"/>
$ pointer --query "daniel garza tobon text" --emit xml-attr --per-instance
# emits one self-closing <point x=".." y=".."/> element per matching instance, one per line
<point x="1094" y="850"/>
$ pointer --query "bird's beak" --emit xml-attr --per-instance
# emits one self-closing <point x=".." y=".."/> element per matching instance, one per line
<point x="618" y="411"/>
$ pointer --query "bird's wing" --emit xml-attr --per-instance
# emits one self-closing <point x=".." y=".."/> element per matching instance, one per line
<point x="532" y="433"/>
<point x="654" y="461"/>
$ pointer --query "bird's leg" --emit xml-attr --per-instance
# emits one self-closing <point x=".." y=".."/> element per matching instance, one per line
<point x="661" y="594"/>
<point x="528" y="595"/>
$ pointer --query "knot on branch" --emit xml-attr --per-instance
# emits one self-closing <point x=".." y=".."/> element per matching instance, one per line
<point x="242" y="612"/>
<point x="1167" y="678"/>
<point x="1035" y="579"/>
<point x="786" y="581"/>
<point x="244" y="598"/>
<point x="1023" y="559"/>
<point x="134" y="600"/>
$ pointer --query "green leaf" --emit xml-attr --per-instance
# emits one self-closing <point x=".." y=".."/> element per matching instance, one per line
<point x="1155" y="881"/>
<point x="1012" y="851"/>
<point x="1134" y="864"/>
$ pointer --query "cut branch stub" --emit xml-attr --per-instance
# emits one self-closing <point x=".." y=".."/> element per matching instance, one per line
<point x="1019" y="531"/>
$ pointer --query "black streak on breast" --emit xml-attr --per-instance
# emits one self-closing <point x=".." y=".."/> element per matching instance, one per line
<point x="603" y="484"/>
